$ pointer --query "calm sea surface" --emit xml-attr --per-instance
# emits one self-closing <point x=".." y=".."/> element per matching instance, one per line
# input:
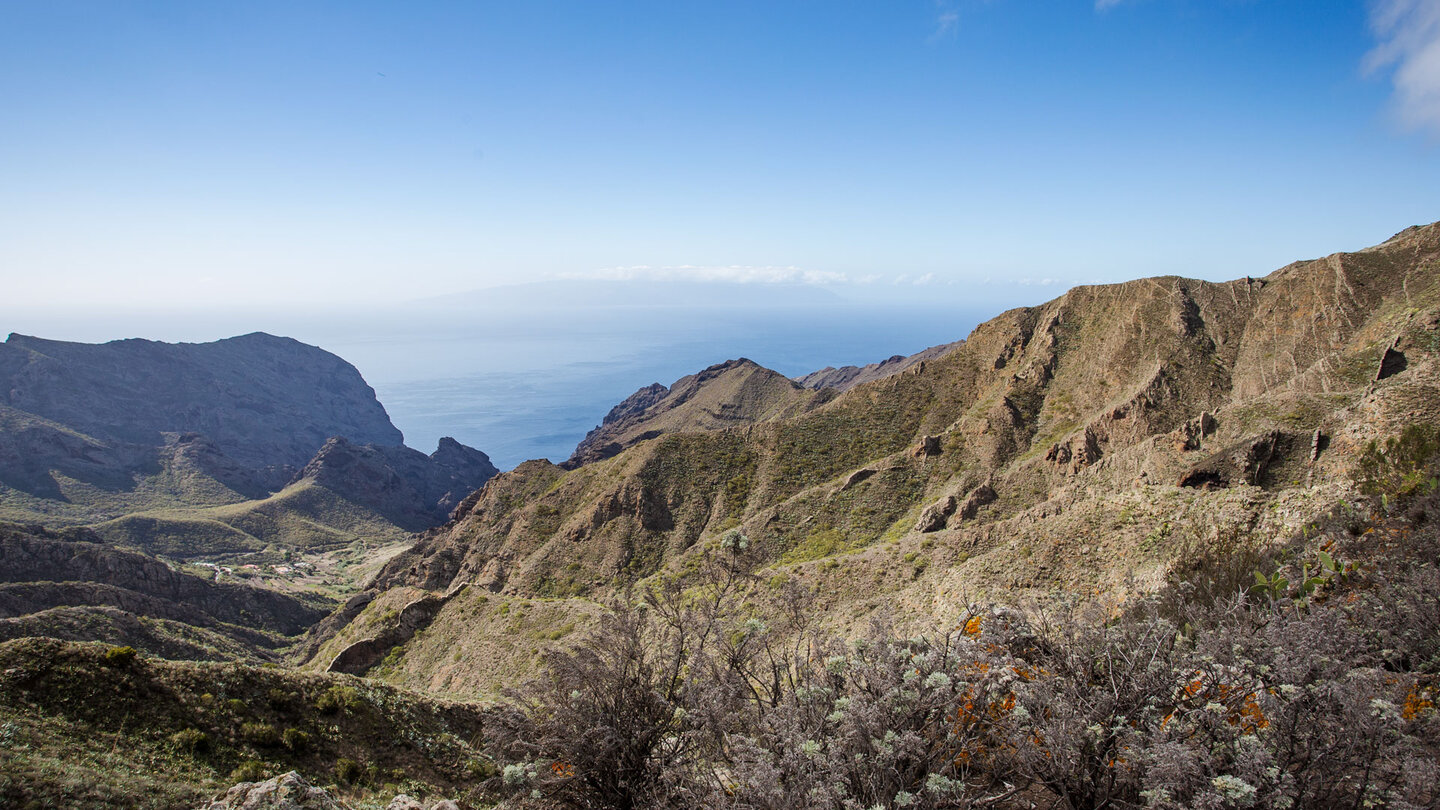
<point x="529" y="385"/>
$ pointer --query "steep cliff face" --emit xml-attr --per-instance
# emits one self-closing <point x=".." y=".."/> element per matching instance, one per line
<point x="138" y="435"/>
<point x="264" y="401"/>
<point x="412" y="490"/>
<point x="1071" y="446"/>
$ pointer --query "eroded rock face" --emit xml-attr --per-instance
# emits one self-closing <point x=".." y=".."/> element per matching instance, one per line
<point x="1266" y="386"/>
<point x="286" y="792"/>
<point x="263" y="400"/>
<point x="412" y="490"/>
<point x="846" y="377"/>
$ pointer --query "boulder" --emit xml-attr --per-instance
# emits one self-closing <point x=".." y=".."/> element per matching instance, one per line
<point x="285" y="792"/>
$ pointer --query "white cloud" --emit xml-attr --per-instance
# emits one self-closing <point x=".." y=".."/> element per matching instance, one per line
<point x="735" y="274"/>
<point x="946" y="23"/>
<point x="1408" y="34"/>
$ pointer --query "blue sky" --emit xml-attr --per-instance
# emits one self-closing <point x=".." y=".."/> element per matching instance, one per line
<point x="224" y="153"/>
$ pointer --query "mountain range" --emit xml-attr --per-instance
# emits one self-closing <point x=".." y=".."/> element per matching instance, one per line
<point x="1082" y="446"/>
<point x="1089" y="448"/>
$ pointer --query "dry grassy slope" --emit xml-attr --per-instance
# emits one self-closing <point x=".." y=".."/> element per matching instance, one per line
<point x="85" y="730"/>
<point x="1082" y="415"/>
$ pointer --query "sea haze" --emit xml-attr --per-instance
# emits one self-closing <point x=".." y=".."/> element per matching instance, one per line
<point x="520" y="380"/>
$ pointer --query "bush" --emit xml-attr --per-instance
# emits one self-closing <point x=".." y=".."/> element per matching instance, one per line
<point x="296" y="740"/>
<point x="348" y="771"/>
<point x="1202" y="696"/>
<point x="119" y="656"/>
<point x="337" y="699"/>
<point x="262" y="734"/>
<point x="191" y="740"/>
<point x="1401" y="466"/>
<point x="251" y="770"/>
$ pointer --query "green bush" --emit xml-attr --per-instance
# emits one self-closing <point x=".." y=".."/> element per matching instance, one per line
<point x="481" y="769"/>
<point x="251" y="770"/>
<point x="191" y="740"/>
<point x="1401" y="466"/>
<point x="296" y="740"/>
<point x="338" y="698"/>
<point x="260" y="734"/>
<point x="119" y="656"/>
<point x="348" y="771"/>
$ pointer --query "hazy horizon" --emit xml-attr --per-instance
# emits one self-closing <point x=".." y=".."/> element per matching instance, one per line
<point x="523" y="384"/>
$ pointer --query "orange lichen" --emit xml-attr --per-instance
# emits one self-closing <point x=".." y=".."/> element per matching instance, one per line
<point x="1417" y="702"/>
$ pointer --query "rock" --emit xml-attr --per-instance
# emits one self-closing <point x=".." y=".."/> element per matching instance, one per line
<point x="847" y="377"/>
<point x="978" y="497"/>
<point x="404" y="802"/>
<point x="1392" y="363"/>
<point x="936" y="515"/>
<point x="286" y="792"/>
<point x="929" y="446"/>
<point x="412" y="490"/>
<point x="725" y="395"/>
<point x="1245" y="463"/>
<point x="1188" y="437"/>
<point x="857" y="477"/>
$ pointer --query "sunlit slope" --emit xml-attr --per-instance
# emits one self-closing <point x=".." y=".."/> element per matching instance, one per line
<point x="1062" y="447"/>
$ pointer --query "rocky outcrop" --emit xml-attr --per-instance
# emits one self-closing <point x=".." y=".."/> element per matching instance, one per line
<point x="412" y="490"/>
<point x="846" y="377"/>
<point x="725" y="395"/>
<point x="1244" y="463"/>
<point x="359" y="657"/>
<point x="288" y="791"/>
<point x="264" y="401"/>
<point x="937" y="515"/>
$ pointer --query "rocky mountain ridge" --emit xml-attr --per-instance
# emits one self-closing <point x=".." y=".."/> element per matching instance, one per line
<point x="846" y="377"/>
<point x="1078" y="445"/>
<point x="269" y="460"/>
<point x="267" y="402"/>
<point x="721" y="396"/>
<point x="92" y="432"/>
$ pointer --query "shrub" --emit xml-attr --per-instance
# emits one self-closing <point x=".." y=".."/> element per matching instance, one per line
<point x="348" y="771"/>
<point x="191" y="740"/>
<point x="1401" y="466"/>
<point x="119" y="656"/>
<point x="296" y="740"/>
<point x="251" y="770"/>
<point x="260" y="734"/>
<point x="338" y="698"/>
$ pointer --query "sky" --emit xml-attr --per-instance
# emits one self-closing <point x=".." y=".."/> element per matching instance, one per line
<point x="184" y="155"/>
